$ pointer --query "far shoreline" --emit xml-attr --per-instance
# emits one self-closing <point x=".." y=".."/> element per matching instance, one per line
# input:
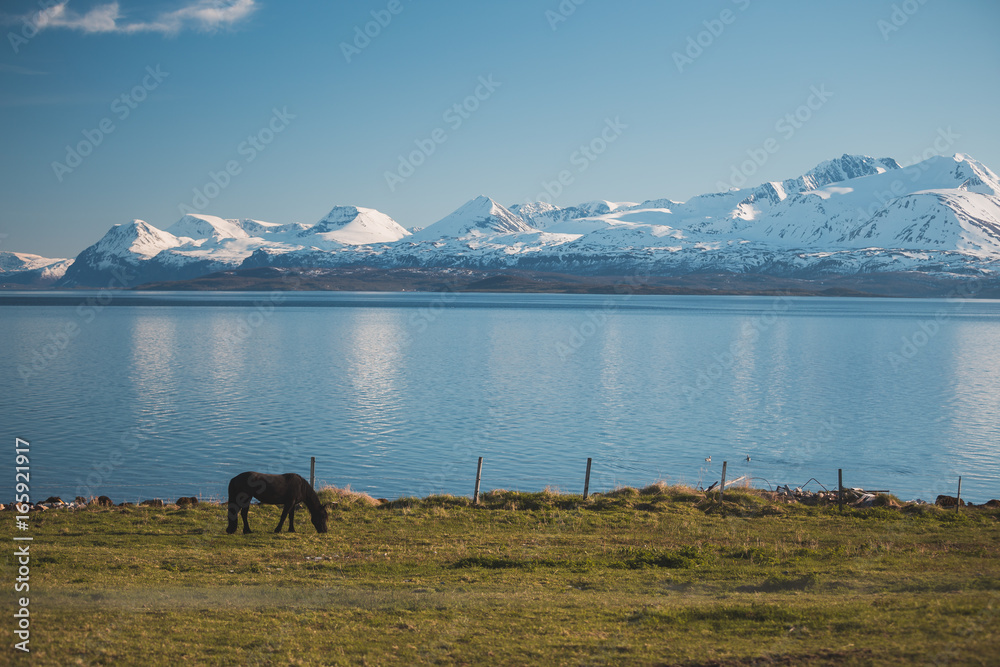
<point x="435" y="280"/>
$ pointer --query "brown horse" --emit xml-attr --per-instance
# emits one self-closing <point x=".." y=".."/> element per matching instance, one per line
<point x="288" y="490"/>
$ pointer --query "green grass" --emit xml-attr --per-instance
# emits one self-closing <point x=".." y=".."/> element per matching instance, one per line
<point x="659" y="575"/>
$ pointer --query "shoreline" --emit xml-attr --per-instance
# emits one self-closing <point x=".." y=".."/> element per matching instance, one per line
<point x="903" y="284"/>
<point x="852" y="498"/>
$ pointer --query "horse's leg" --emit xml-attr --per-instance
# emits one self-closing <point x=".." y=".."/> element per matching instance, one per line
<point x="291" y="519"/>
<point x="281" y="523"/>
<point x="243" y="513"/>
<point x="234" y="511"/>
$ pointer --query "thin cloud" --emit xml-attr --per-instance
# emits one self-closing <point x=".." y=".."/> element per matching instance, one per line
<point x="202" y="16"/>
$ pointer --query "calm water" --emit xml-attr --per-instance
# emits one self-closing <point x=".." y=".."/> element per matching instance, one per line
<point x="398" y="394"/>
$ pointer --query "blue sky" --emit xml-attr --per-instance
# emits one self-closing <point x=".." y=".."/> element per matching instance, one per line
<point x="280" y="111"/>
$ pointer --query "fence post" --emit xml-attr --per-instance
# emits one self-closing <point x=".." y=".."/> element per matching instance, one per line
<point x="586" y="482"/>
<point x="958" y="500"/>
<point x="722" y="488"/>
<point x="312" y="471"/>
<point x="840" y="489"/>
<point x="479" y="476"/>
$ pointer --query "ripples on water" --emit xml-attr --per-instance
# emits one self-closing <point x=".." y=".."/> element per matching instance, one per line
<point x="399" y="394"/>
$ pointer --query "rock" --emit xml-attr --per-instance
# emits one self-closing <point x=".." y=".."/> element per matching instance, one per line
<point x="992" y="503"/>
<point x="153" y="502"/>
<point x="948" y="501"/>
<point x="104" y="501"/>
<point x="56" y="500"/>
<point x="80" y="500"/>
<point x="865" y="500"/>
<point x="187" y="501"/>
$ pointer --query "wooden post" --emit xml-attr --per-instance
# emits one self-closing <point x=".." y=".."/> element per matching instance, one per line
<point x="840" y="489"/>
<point x="722" y="488"/>
<point x="586" y="482"/>
<point x="479" y="477"/>
<point x="958" y="500"/>
<point x="312" y="471"/>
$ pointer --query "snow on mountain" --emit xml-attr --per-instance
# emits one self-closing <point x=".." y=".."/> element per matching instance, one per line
<point x="137" y="238"/>
<point x="855" y="213"/>
<point x="19" y="268"/>
<point x="843" y="168"/>
<point x="531" y="210"/>
<point x="545" y="216"/>
<point x="115" y="258"/>
<point x="49" y="274"/>
<point x="829" y="215"/>
<point x="207" y="227"/>
<point x="260" y="228"/>
<point x="601" y="207"/>
<point x="353" y="225"/>
<point x="936" y="219"/>
<point x="478" y="217"/>
<point x="11" y="262"/>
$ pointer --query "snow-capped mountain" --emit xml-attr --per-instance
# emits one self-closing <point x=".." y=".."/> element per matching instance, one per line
<point x="847" y="215"/>
<point x="207" y="227"/>
<point x="480" y="217"/>
<point x="13" y="262"/>
<point x="968" y="222"/>
<point x="198" y="244"/>
<point x="120" y="257"/>
<point x="353" y="225"/>
<point x="18" y="268"/>
<point x="568" y="220"/>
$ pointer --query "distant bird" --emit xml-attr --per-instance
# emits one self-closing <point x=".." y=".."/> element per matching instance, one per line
<point x="709" y="459"/>
<point x="748" y="457"/>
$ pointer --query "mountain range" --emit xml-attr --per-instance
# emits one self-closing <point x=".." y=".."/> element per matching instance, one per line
<point x="851" y="215"/>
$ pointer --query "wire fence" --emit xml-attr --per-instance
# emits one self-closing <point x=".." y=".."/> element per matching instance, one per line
<point x="615" y="473"/>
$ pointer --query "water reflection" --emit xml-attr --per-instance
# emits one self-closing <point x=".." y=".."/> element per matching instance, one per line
<point x="375" y="363"/>
<point x="153" y="345"/>
<point x="398" y="409"/>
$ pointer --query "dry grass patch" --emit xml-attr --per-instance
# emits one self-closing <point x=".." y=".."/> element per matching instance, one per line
<point x="344" y="496"/>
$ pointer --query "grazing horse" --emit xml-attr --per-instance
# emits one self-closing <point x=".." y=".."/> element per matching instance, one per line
<point x="288" y="490"/>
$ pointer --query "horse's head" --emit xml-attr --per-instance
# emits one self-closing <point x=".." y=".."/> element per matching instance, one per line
<point x="319" y="519"/>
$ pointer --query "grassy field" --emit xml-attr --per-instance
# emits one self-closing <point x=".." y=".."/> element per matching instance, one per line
<point x="660" y="575"/>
